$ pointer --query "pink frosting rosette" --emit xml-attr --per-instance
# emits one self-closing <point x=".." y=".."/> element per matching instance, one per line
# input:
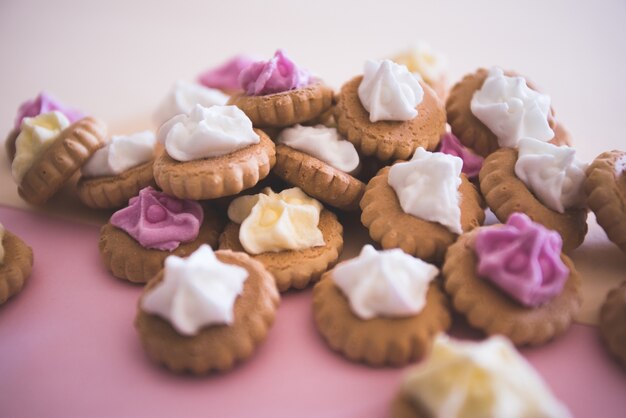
<point x="451" y="145"/>
<point x="226" y="76"/>
<point x="159" y="221"/>
<point x="522" y="258"/>
<point x="44" y="103"/>
<point x="274" y="76"/>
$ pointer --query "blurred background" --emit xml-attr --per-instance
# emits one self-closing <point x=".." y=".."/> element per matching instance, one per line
<point x="117" y="59"/>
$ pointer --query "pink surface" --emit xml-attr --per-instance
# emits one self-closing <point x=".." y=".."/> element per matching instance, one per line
<point x="68" y="349"/>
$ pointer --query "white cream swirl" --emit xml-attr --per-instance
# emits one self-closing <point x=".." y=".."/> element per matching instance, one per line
<point x="487" y="379"/>
<point x="427" y="187"/>
<point x="36" y="135"/>
<point x="511" y="110"/>
<point x="196" y="291"/>
<point x="322" y="143"/>
<point x="123" y="152"/>
<point x="184" y="96"/>
<point x="552" y="173"/>
<point x="386" y="283"/>
<point x="207" y="132"/>
<point x="389" y="91"/>
<point x="273" y="222"/>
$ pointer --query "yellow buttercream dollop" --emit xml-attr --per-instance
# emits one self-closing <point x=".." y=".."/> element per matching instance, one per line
<point x="489" y="379"/>
<point x="423" y="60"/>
<point x="36" y="135"/>
<point x="273" y="222"/>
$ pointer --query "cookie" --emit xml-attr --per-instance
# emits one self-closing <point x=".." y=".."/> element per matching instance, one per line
<point x="318" y="179"/>
<point x="129" y="260"/>
<point x="390" y="226"/>
<point x="605" y="187"/>
<point x="285" y="108"/>
<point x="213" y="177"/>
<point x="470" y="130"/>
<point x="62" y="159"/>
<point x="490" y="310"/>
<point x="16" y="266"/>
<point x="389" y="140"/>
<point x="378" y="341"/>
<point x="214" y="347"/>
<point x="613" y="323"/>
<point x="112" y="192"/>
<point x="295" y="268"/>
<point x="505" y="194"/>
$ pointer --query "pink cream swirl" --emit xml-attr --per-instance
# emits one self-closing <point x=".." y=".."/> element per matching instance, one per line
<point x="452" y="146"/>
<point x="44" y="103"/>
<point x="159" y="221"/>
<point x="274" y="76"/>
<point x="226" y="76"/>
<point x="523" y="259"/>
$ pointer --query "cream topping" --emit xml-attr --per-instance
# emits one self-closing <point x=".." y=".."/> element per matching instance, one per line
<point x="196" y="291"/>
<point x="273" y="222"/>
<point x="386" y="283"/>
<point x="36" y="136"/>
<point x="182" y="98"/>
<point x="207" y="132"/>
<point x="511" y="109"/>
<point x="123" y="152"/>
<point x="322" y="143"/>
<point x="389" y="91"/>
<point x="427" y="187"/>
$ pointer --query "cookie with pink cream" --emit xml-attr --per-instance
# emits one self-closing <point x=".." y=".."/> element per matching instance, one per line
<point x="43" y="103"/>
<point x="278" y="93"/>
<point x="138" y="238"/>
<point x="513" y="280"/>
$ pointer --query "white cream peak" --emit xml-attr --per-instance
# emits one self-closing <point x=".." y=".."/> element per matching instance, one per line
<point x="427" y="187"/>
<point x="196" y="291"/>
<point x="552" y="173"/>
<point x="388" y="91"/>
<point x="323" y="143"/>
<point x="122" y="153"/>
<point x="207" y="132"/>
<point x="387" y="283"/>
<point x="511" y="109"/>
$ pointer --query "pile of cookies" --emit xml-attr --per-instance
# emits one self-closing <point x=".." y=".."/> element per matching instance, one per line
<point x="235" y="199"/>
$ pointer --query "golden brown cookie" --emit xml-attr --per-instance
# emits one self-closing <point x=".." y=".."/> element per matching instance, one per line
<point x="605" y="187"/>
<point x="318" y="179"/>
<point x="390" y="226"/>
<point x="469" y="129"/>
<point x="285" y="108"/>
<point x="215" y="347"/>
<point x="613" y="322"/>
<point x="295" y="268"/>
<point x="128" y="260"/>
<point x="111" y="192"/>
<point x="72" y="148"/>
<point x="378" y="341"/>
<point x="506" y="194"/>
<point x="487" y="308"/>
<point x="9" y="143"/>
<point x="16" y="267"/>
<point x="213" y="177"/>
<point x="389" y="140"/>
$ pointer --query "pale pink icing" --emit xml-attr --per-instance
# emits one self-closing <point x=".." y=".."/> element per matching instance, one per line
<point x="522" y="258"/>
<point x="472" y="163"/>
<point x="274" y="76"/>
<point x="159" y="221"/>
<point x="44" y="103"/>
<point x="226" y="76"/>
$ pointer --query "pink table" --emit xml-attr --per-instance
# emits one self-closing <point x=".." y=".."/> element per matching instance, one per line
<point x="68" y="349"/>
